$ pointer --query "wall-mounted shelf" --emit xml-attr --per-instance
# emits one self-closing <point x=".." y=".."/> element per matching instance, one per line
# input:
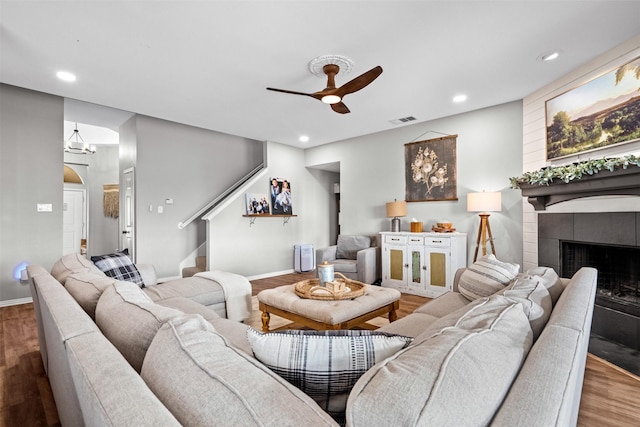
<point x="252" y="218"/>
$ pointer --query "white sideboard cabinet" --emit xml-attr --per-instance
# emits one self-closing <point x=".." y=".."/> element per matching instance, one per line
<point x="422" y="263"/>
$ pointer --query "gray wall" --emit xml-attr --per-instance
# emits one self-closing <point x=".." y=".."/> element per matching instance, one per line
<point x="372" y="173"/>
<point x="31" y="157"/>
<point x="189" y="165"/>
<point x="489" y="149"/>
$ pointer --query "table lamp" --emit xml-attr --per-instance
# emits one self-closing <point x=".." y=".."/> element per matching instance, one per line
<point x="484" y="202"/>
<point x="394" y="210"/>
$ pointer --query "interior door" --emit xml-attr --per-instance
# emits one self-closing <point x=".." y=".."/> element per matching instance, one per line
<point x="73" y="220"/>
<point x="127" y="214"/>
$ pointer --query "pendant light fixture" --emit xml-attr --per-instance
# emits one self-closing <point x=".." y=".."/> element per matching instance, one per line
<point x="75" y="144"/>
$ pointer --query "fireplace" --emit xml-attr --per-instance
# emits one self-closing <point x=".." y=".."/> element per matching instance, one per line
<point x="618" y="272"/>
<point x="609" y="242"/>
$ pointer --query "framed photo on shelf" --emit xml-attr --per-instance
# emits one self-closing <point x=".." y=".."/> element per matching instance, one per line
<point x="257" y="204"/>
<point x="280" y="194"/>
<point x="603" y="112"/>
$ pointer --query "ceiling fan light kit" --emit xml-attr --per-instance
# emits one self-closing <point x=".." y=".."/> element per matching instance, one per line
<point x="331" y="65"/>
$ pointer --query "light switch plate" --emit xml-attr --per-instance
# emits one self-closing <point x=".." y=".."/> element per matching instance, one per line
<point x="45" y="207"/>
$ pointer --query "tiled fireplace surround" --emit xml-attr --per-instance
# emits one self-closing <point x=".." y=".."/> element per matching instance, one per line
<point x="609" y="241"/>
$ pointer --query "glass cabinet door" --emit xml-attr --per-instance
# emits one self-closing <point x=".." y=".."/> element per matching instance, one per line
<point x="416" y="266"/>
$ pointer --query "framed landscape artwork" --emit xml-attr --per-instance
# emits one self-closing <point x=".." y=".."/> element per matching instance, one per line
<point x="598" y="114"/>
<point x="281" y="199"/>
<point x="430" y="170"/>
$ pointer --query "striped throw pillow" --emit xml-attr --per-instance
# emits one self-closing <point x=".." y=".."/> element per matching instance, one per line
<point x="324" y="364"/>
<point x="486" y="276"/>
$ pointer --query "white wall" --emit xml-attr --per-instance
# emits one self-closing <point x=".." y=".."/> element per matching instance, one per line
<point x="534" y="143"/>
<point x="489" y="149"/>
<point x="266" y="246"/>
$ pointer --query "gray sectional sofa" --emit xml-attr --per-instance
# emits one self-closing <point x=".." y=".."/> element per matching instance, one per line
<point x="501" y="360"/>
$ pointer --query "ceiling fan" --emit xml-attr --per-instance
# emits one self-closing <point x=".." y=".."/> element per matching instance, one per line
<point x="333" y="95"/>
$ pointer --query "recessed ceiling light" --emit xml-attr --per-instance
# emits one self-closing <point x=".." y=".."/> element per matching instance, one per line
<point x="303" y="138"/>
<point x="460" y="98"/>
<point x="66" y="76"/>
<point x="549" y="56"/>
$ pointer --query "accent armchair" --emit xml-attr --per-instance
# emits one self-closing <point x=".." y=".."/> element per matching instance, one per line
<point x="357" y="257"/>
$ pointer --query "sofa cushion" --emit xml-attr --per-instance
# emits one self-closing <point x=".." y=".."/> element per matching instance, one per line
<point x="130" y="320"/>
<point x="457" y="377"/>
<point x="324" y="364"/>
<point x="119" y="266"/>
<point x="345" y="265"/>
<point x="411" y="325"/>
<point x="444" y="304"/>
<point x="199" y="289"/>
<point x="550" y="280"/>
<point x="348" y="246"/>
<point x="86" y="289"/>
<point x="72" y="263"/>
<point x="535" y="300"/>
<point x="486" y="276"/>
<point x="204" y="380"/>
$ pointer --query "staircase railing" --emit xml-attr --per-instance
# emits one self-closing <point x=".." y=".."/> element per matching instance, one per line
<point x="221" y="198"/>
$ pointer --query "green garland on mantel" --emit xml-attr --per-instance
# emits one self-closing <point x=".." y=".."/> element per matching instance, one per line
<point x="566" y="173"/>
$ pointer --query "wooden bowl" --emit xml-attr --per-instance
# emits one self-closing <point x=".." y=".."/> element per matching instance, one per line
<point x="444" y="225"/>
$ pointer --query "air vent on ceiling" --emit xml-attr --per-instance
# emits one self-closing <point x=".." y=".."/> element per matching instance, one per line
<point x="403" y="120"/>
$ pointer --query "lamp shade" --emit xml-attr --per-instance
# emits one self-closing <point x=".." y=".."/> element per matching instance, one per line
<point x="484" y="202"/>
<point x="395" y="209"/>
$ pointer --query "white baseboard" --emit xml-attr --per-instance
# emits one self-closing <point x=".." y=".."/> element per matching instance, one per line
<point x="17" y="301"/>
<point x="274" y="273"/>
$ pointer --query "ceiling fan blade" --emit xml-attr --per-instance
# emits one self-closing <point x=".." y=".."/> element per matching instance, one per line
<point x="340" y="108"/>
<point x="290" y="91"/>
<point x="359" y="82"/>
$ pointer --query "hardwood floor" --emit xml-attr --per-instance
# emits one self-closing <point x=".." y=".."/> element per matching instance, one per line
<point x="609" y="395"/>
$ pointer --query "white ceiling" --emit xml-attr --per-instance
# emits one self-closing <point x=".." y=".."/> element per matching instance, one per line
<point x="207" y="63"/>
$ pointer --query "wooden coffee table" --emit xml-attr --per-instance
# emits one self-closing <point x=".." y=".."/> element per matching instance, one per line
<point x="322" y="315"/>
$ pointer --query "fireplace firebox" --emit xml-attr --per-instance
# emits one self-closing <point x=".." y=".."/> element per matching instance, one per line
<point x="618" y="272"/>
<point x="609" y="242"/>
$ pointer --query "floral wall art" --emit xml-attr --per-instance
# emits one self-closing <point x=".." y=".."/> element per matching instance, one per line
<point x="430" y="170"/>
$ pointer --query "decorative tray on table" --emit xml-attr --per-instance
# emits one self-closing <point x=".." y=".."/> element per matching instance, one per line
<point x="338" y="289"/>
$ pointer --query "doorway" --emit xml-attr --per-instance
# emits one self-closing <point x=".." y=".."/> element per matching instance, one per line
<point x="74" y="220"/>
<point x="127" y="224"/>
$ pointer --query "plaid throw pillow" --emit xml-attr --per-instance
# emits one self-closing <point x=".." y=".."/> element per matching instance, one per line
<point x="324" y="364"/>
<point x="119" y="266"/>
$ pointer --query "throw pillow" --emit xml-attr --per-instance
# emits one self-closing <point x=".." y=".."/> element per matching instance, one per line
<point x="486" y="276"/>
<point x="535" y="300"/>
<point x="324" y="364"/>
<point x="119" y="266"/>
<point x="550" y="279"/>
<point x="348" y="246"/>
